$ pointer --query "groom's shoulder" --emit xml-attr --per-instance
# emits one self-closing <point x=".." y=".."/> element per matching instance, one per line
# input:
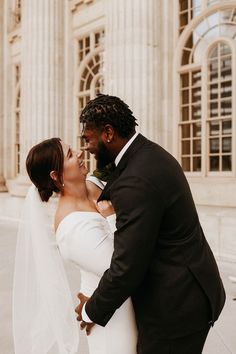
<point x="152" y="150"/>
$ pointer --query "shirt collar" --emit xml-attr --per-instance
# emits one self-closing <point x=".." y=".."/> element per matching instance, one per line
<point x="123" y="150"/>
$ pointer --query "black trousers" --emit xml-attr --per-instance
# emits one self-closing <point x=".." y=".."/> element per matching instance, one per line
<point x="190" y="344"/>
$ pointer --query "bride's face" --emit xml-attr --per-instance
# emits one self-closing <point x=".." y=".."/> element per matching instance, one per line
<point x="74" y="167"/>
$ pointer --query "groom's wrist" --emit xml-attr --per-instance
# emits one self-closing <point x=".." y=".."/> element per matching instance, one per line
<point x="85" y="316"/>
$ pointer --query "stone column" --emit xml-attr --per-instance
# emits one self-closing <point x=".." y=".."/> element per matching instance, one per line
<point x="132" y="58"/>
<point x="2" y="179"/>
<point x="42" y="73"/>
<point x="168" y="39"/>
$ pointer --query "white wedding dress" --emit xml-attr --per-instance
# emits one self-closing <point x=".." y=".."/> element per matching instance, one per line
<point x="86" y="239"/>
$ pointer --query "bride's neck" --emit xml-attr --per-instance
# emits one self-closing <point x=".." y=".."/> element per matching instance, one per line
<point x="75" y="191"/>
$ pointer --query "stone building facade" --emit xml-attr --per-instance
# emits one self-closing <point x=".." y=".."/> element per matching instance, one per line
<point x="172" y="61"/>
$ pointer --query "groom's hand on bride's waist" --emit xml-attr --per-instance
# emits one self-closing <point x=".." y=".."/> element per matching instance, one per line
<point x="79" y="310"/>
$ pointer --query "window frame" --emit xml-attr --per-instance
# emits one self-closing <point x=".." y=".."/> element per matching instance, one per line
<point x="232" y="46"/>
<point x="179" y="68"/>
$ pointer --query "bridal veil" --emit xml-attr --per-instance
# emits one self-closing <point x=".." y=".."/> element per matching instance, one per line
<point x="44" y="321"/>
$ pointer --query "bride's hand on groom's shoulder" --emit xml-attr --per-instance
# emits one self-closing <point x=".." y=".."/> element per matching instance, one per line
<point x="105" y="208"/>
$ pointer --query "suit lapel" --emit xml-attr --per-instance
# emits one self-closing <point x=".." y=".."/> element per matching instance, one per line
<point x="133" y="148"/>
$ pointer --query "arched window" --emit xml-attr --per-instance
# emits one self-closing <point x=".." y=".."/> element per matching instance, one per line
<point x="90" y="77"/>
<point x="206" y="77"/>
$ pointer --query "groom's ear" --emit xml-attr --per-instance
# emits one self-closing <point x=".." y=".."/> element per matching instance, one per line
<point x="53" y="175"/>
<point x="108" y="133"/>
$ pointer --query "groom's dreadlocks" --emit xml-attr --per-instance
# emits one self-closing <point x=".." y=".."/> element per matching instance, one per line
<point x="105" y="109"/>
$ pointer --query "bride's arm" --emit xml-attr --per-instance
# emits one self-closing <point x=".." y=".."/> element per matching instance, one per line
<point x="106" y="209"/>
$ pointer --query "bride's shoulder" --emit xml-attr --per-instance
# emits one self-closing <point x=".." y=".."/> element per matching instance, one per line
<point x="62" y="211"/>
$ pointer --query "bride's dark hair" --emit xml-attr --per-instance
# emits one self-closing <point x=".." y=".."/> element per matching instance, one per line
<point x="43" y="158"/>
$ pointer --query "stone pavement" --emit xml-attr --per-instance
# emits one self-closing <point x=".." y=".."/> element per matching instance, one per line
<point x="221" y="339"/>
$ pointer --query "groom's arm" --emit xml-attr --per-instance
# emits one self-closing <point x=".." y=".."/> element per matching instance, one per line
<point x="139" y="211"/>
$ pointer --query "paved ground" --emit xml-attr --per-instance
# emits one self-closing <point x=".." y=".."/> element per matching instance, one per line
<point x="221" y="340"/>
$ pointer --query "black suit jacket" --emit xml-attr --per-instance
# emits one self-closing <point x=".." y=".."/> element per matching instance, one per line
<point x="161" y="257"/>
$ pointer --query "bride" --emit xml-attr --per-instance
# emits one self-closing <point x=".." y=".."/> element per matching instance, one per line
<point x="44" y="320"/>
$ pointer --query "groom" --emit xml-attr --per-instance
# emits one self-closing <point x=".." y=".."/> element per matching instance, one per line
<point x="161" y="257"/>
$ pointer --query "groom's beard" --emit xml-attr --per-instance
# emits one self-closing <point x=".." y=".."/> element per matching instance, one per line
<point x="103" y="155"/>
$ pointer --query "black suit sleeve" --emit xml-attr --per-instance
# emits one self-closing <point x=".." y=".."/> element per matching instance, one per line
<point x="139" y="211"/>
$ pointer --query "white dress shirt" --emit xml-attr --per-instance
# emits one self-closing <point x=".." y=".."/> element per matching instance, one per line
<point x="123" y="150"/>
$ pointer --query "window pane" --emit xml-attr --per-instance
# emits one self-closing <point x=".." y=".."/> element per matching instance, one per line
<point x="227" y="127"/>
<point x="88" y="81"/>
<point x="226" y="108"/>
<point x="196" y="78"/>
<point x="214" y="109"/>
<point x="213" y="69"/>
<point x="197" y="164"/>
<point x="214" y="91"/>
<point x="226" y="163"/>
<point x="214" y="145"/>
<point x="196" y="95"/>
<point x="185" y="113"/>
<point x="186" y="164"/>
<point x="225" y="89"/>
<point x="185" y="57"/>
<point x="186" y="131"/>
<point x="196" y="112"/>
<point x="185" y="80"/>
<point x="197" y="130"/>
<point x="186" y="147"/>
<point x="225" y="68"/>
<point x="183" y="5"/>
<point x="185" y="96"/>
<point x="214" y="163"/>
<point x="225" y="49"/>
<point x="214" y="53"/>
<point x="196" y="147"/>
<point x="183" y="19"/>
<point x="214" y="128"/>
<point x="227" y="144"/>
<point x="87" y="41"/>
<point x="189" y="42"/>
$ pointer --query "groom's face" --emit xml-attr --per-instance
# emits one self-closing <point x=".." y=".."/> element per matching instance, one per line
<point x="96" y="145"/>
